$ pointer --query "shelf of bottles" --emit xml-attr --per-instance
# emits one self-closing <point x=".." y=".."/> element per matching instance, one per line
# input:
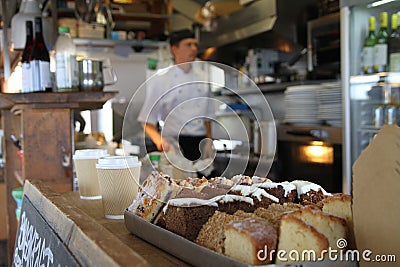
<point x="381" y="50"/>
<point x="375" y="84"/>
<point x="370" y="87"/>
<point x="375" y="101"/>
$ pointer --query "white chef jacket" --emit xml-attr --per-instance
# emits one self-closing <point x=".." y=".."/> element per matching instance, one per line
<point x="182" y="100"/>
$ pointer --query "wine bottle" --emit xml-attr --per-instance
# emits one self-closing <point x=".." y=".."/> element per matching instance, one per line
<point x="368" y="49"/>
<point x="394" y="45"/>
<point x="40" y="61"/>
<point x="380" y="55"/>
<point x="25" y="59"/>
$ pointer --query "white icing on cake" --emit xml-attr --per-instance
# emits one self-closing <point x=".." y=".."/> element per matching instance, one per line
<point x="246" y="190"/>
<point x="261" y="192"/>
<point x="303" y="187"/>
<point x="193" y="202"/>
<point x="231" y="198"/>
<point x="288" y="187"/>
<point x="190" y="202"/>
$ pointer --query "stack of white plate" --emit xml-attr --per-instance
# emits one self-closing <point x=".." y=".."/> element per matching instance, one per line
<point x="301" y="105"/>
<point x="330" y="103"/>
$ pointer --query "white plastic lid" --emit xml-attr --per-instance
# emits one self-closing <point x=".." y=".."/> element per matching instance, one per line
<point x="90" y="153"/>
<point x="118" y="162"/>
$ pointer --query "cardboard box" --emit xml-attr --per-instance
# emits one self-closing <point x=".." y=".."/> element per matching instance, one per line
<point x="86" y="30"/>
<point x="376" y="189"/>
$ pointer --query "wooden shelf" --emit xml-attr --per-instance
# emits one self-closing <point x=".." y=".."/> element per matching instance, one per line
<point x="138" y="16"/>
<point x="146" y="43"/>
<point x="75" y="100"/>
<point x="153" y="17"/>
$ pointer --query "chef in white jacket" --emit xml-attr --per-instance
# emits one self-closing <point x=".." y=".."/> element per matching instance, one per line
<point x="178" y="97"/>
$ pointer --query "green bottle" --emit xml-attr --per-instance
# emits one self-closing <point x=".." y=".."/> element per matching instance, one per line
<point x="394" y="45"/>
<point x="368" y="49"/>
<point x="381" y="46"/>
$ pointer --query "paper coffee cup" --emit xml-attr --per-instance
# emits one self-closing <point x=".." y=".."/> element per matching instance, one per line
<point x="119" y="183"/>
<point x="85" y="161"/>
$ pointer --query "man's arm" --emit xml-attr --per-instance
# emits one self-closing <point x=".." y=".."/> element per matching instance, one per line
<point x="208" y="129"/>
<point x="208" y="148"/>
<point x="152" y="132"/>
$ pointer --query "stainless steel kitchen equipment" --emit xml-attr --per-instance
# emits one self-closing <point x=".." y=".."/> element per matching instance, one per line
<point x="231" y="125"/>
<point x="266" y="24"/>
<point x="91" y="76"/>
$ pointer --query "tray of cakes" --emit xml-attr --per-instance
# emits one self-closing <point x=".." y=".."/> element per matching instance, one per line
<point x="243" y="221"/>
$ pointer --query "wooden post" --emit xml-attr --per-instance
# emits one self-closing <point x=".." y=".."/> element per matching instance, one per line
<point x="11" y="125"/>
<point x="47" y="145"/>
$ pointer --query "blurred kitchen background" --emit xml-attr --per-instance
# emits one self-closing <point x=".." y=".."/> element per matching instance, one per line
<point x="302" y="57"/>
<point x="277" y="44"/>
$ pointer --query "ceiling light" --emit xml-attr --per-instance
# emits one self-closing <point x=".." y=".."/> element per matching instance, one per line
<point x="379" y="3"/>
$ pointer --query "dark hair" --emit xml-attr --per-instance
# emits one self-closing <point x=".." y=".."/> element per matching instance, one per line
<point x="177" y="36"/>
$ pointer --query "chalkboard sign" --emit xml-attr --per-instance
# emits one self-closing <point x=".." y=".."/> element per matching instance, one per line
<point x="36" y="243"/>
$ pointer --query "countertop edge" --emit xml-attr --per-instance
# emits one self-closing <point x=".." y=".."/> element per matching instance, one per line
<point x="88" y="241"/>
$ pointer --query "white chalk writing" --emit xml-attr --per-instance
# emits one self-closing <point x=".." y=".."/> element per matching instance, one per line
<point x="30" y="249"/>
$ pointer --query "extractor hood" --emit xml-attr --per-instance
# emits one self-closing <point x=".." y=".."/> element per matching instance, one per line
<point x="260" y="18"/>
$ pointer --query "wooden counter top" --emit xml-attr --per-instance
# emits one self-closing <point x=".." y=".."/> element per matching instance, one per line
<point x="92" y="239"/>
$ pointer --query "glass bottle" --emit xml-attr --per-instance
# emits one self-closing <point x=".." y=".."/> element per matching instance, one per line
<point x="40" y="61"/>
<point x="66" y="64"/>
<point x="25" y="59"/>
<point x="368" y="49"/>
<point x="394" y="45"/>
<point x="380" y="57"/>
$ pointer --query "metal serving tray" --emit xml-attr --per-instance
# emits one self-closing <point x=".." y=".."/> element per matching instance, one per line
<point x="197" y="255"/>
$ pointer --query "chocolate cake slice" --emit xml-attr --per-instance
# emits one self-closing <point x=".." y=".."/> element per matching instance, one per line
<point x="309" y="193"/>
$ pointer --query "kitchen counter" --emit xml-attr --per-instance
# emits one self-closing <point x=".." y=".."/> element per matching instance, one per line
<point x="88" y="236"/>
